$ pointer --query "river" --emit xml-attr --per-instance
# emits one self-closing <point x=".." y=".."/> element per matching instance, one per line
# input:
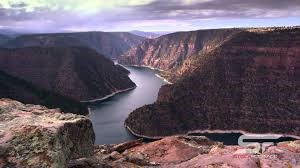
<point x="109" y="115"/>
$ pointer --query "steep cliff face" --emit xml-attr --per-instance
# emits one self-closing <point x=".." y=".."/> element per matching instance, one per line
<point x="168" y="52"/>
<point x="23" y="91"/>
<point x="77" y="73"/>
<point x="249" y="83"/>
<point x="34" y="136"/>
<point x="110" y="44"/>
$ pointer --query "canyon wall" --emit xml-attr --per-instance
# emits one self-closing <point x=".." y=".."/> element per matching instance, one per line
<point x="77" y="73"/>
<point x="249" y="82"/>
<point x="169" y="52"/>
<point x="23" y="91"/>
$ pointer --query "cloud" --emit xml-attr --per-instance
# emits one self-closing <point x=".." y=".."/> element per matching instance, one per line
<point x="191" y="9"/>
<point x="45" y="15"/>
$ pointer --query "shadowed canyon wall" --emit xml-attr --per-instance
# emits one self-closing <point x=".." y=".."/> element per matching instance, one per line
<point x="74" y="72"/>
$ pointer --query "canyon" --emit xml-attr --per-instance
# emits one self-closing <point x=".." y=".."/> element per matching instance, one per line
<point x="243" y="80"/>
<point x="35" y="136"/>
<point x="223" y="80"/>
<point x="169" y="52"/>
<point x="73" y="73"/>
<point x="61" y="69"/>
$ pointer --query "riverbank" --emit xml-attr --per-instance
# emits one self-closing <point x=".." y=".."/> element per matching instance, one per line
<point x="164" y="79"/>
<point x="144" y="66"/>
<point x="241" y="132"/>
<point x="150" y="67"/>
<point x="105" y="98"/>
<point x="108" y="96"/>
<point x="142" y="136"/>
<point x="211" y="132"/>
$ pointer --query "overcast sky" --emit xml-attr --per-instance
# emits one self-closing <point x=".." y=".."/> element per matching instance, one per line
<point x="145" y="15"/>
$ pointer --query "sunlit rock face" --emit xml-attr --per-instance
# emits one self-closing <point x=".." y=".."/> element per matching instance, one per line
<point x="249" y="83"/>
<point x="110" y="44"/>
<point x="34" y="136"/>
<point x="74" y="72"/>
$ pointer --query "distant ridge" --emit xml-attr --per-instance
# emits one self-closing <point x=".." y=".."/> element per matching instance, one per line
<point x="110" y="44"/>
<point x="150" y="35"/>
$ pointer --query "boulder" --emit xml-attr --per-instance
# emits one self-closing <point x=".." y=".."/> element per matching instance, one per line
<point x="126" y="145"/>
<point x="35" y="136"/>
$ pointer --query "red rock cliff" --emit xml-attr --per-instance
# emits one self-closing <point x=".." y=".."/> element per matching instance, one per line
<point x="250" y="82"/>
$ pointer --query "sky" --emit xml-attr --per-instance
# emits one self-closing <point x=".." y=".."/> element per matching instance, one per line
<point x="145" y="15"/>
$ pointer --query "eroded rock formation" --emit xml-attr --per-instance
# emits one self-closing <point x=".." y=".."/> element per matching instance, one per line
<point x="34" y="136"/>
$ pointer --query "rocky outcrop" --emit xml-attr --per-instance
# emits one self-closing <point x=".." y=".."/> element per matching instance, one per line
<point x="249" y="83"/>
<point x="76" y="73"/>
<point x="194" y="152"/>
<point x="110" y="44"/>
<point x="23" y="91"/>
<point x="34" y="136"/>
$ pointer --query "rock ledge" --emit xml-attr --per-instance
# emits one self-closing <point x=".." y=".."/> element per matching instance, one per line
<point x="34" y="136"/>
